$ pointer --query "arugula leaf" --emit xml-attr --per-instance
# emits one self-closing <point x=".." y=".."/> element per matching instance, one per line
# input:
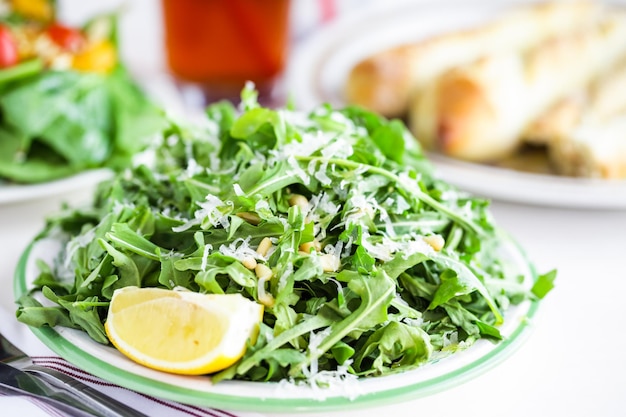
<point x="33" y="313"/>
<point x="544" y="284"/>
<point x="460" y="282"/>
<point x="375" y="293"/>
<point x="392" y="346"/>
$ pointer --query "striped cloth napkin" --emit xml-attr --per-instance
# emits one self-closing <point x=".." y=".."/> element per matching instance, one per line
<point x="23" y="338"/>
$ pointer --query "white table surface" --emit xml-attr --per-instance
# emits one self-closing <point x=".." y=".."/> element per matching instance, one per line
<point x="573" y="363"/>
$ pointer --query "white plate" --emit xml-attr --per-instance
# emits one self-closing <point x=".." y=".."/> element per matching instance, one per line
<point x="107" y="363"/>
<point x="15" y="193"/>
<point x="548" y="190"/>
<point x="320" y="65"/>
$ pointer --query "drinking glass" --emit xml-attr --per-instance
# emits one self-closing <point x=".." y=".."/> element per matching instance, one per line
<point x="215" y="46"/>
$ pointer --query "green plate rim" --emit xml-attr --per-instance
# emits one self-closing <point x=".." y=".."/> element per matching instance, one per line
<point x="145" y="385"/>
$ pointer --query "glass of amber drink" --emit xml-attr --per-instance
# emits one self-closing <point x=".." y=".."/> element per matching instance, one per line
<point x="218" y="45"/>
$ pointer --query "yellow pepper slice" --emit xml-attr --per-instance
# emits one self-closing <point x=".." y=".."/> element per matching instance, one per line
<point x="99" y="57"/>
<point x="40" y="10"/>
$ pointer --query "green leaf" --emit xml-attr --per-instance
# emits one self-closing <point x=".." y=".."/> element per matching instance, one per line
<point x="83" y="314"/>
<point x="128" y="271"/>
<point x="41" y="164"/>
<point x="461" y="282"/>
<point x="271" y="180"/>
<point x="390" y="140"/>
<point x="75" y="121"/>
<point x="375" y="292"/>
<point x="462" y="317"/>
<point x="207" y="278"/>
<point x="21" y="70"/>
<point x="342" y="351"/>
<point x="302" y="328"/>
<point x="395" y="345"/>
<point x="171" y="277"/>
<point x="363" y="261"/>
<point x="544" y="284"/>
<point x="400" y="263"/>
<point x="488" y="331"/>
<point x="123" y="237"/>
<point x="33" y="313"/>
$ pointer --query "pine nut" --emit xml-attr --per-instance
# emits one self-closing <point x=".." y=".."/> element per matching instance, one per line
<point x="249" y="262"/>
<point x="250" y="217"/>
<point x="330" y="263"/>
<point x="299" y="200"/>
<point x="306" y="247"/>
<point x="264" y="246"/>
<point x="435" y="241"/>
<point x="263" y="272"/>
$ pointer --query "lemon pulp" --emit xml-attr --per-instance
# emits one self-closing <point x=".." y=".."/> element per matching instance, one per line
<point x="180" y="331"/>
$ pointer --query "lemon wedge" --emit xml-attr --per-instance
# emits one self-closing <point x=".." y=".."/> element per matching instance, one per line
<point x="181" y="332"/>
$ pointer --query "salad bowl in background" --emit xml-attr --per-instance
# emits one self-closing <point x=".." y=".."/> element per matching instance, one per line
<point x="70" y="111"/>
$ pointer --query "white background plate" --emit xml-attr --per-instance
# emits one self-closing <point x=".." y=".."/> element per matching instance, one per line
<point x="320" y="66"/>
<point x="15" y="193"/>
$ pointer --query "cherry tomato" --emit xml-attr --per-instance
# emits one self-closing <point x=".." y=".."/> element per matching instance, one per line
<point x="8" y="48"/>
<point x="67" y="38"/>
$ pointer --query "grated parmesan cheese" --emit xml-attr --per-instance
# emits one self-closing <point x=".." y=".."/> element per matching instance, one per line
<point x="297" y="171"/>
<point x="238" y="191"/>
<point x="210" y="212"/>
<point x="205" y="256"/>
<point x="321" y="385"/>
<point x="239" y="249"/>
<point x="321" y="175"/>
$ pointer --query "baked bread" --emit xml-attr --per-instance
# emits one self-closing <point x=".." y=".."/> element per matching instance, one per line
<point x="385" y="81"/>
<point x="603" y="99"/>
<point x="585" y="134"/>
<point x="479" y="111"/>
<point x="592" y="150"/>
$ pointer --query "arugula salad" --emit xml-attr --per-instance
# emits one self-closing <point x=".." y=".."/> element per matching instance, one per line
<point x="67" y="104"/>
<point x="373" y="265"/>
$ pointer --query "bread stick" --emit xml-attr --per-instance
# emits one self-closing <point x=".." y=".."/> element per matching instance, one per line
<point x="585" y="134"/>
<point x="479" y="111"/>
<point x="592" y="149"/>
<point x="385" y="81"/>
<point x="600" y="101"/>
